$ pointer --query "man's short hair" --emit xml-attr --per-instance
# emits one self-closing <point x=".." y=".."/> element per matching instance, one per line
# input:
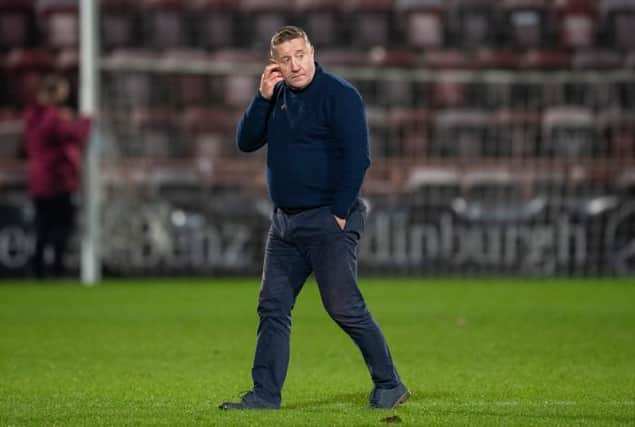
<point x="285" y="34"/>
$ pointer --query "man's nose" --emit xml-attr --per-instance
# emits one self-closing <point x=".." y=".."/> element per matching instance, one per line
<point x="295" y="64"/>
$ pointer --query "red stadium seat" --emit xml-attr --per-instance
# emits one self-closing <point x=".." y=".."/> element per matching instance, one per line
<point x="16" y="22"/>
<point x="239" y="90"/>
<point x="450" y="59"/>
<point x="400" y="58"/>
<point x="544" y="60"/>
<point x="576" y="20"/>
<point x="423" y="22"/>
<point x="61" y="22"/>
<point x="495" y="59"/>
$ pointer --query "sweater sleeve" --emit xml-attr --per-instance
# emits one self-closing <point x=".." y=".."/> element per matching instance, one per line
<point x="252" y="128"/>
<point x="351" y="132"/>
<point x="71" y="131"/>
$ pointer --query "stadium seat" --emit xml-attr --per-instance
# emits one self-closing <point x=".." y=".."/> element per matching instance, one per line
<point x="496" y="195"/>
<point x="10" y="134"/>
<point x="239" y="90"/>
<point x="568" y="133"/>
<point x="423" y="22"/>
<point x="238" y="56"/>
<point x="371" y="23"/>
<point x="536" y="59"/>
<point x="261" y="19"/>
<point x="407" y="130"/>
<point x="320" y="19"/>
<point x="473" y="23"/>
<point x="514" y="135"/>
<point x="129" y="88"/>
<point x="576" y="21"/>
<point x="396" y="91"/>
<point x="625" y="187"/>
<point x="155" y="136"/>
<point x="187" y="88"/>
<point x="235" y="90"/>
<point x="537" y="94"/>
<point x="342" y="56"/>
<point x="434" y="186"/>
<point x="61" y="22"/>
<point x="459" y="133"/>
<point x="597" y="60"/>
<point x="525" y="22"/>
<point x="214" y="23"/>
<point x="500" y="59"/>
<point x="447" y="92"/>
<point x="24" y="70"/>
<point x="618" y="21"/>
<point x="190" y="89"/>
<point x="446" y="89"/>
<point x="165" y="24"/>
<point x="617" y="129"/>
<point x="211" y="132"/>
<point x="450" y="59"/>
<point x="17" y="23"/>
<point x="399" y="58"/>
<point x="119" y="24"/>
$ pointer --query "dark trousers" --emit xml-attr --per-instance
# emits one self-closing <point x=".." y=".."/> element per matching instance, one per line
<point x="54" y="219"/>
<point x="311" y="241"/>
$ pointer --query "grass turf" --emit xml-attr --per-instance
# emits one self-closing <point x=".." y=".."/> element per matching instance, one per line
<point x="166" y="352"/>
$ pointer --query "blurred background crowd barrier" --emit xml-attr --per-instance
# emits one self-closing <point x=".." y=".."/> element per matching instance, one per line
<point x="502" y="132"/>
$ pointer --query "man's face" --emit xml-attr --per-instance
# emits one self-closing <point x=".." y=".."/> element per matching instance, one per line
<point x="296" y="60"/>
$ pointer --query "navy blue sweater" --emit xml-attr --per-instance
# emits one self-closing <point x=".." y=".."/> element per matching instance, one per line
<point x="317" y="142"/>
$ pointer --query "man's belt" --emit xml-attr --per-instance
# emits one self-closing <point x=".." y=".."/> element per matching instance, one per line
<point x="294" y="211"/>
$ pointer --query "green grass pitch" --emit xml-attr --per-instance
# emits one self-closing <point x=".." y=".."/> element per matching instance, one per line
<point x="167" y="352"/>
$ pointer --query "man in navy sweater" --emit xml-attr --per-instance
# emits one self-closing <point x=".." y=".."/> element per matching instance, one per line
<point x="314" y="126"/>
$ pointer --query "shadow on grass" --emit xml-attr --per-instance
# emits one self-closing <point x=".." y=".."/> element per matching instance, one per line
<point x="359" y="398"/>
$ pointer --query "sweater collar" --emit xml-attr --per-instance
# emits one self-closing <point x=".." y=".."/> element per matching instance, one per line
<point x="318" y="72"/>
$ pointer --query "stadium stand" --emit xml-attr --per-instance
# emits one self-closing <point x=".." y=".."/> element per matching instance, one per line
<point x="539" y="92"/>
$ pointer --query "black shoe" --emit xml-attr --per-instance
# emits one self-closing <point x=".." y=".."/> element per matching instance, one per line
<point x="388" y="398"/>
<point x="249" y="400"/>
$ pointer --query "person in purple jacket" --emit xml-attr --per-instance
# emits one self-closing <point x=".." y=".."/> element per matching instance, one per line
<point x="54" y="142"/>
<point x="314" y="126"/>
